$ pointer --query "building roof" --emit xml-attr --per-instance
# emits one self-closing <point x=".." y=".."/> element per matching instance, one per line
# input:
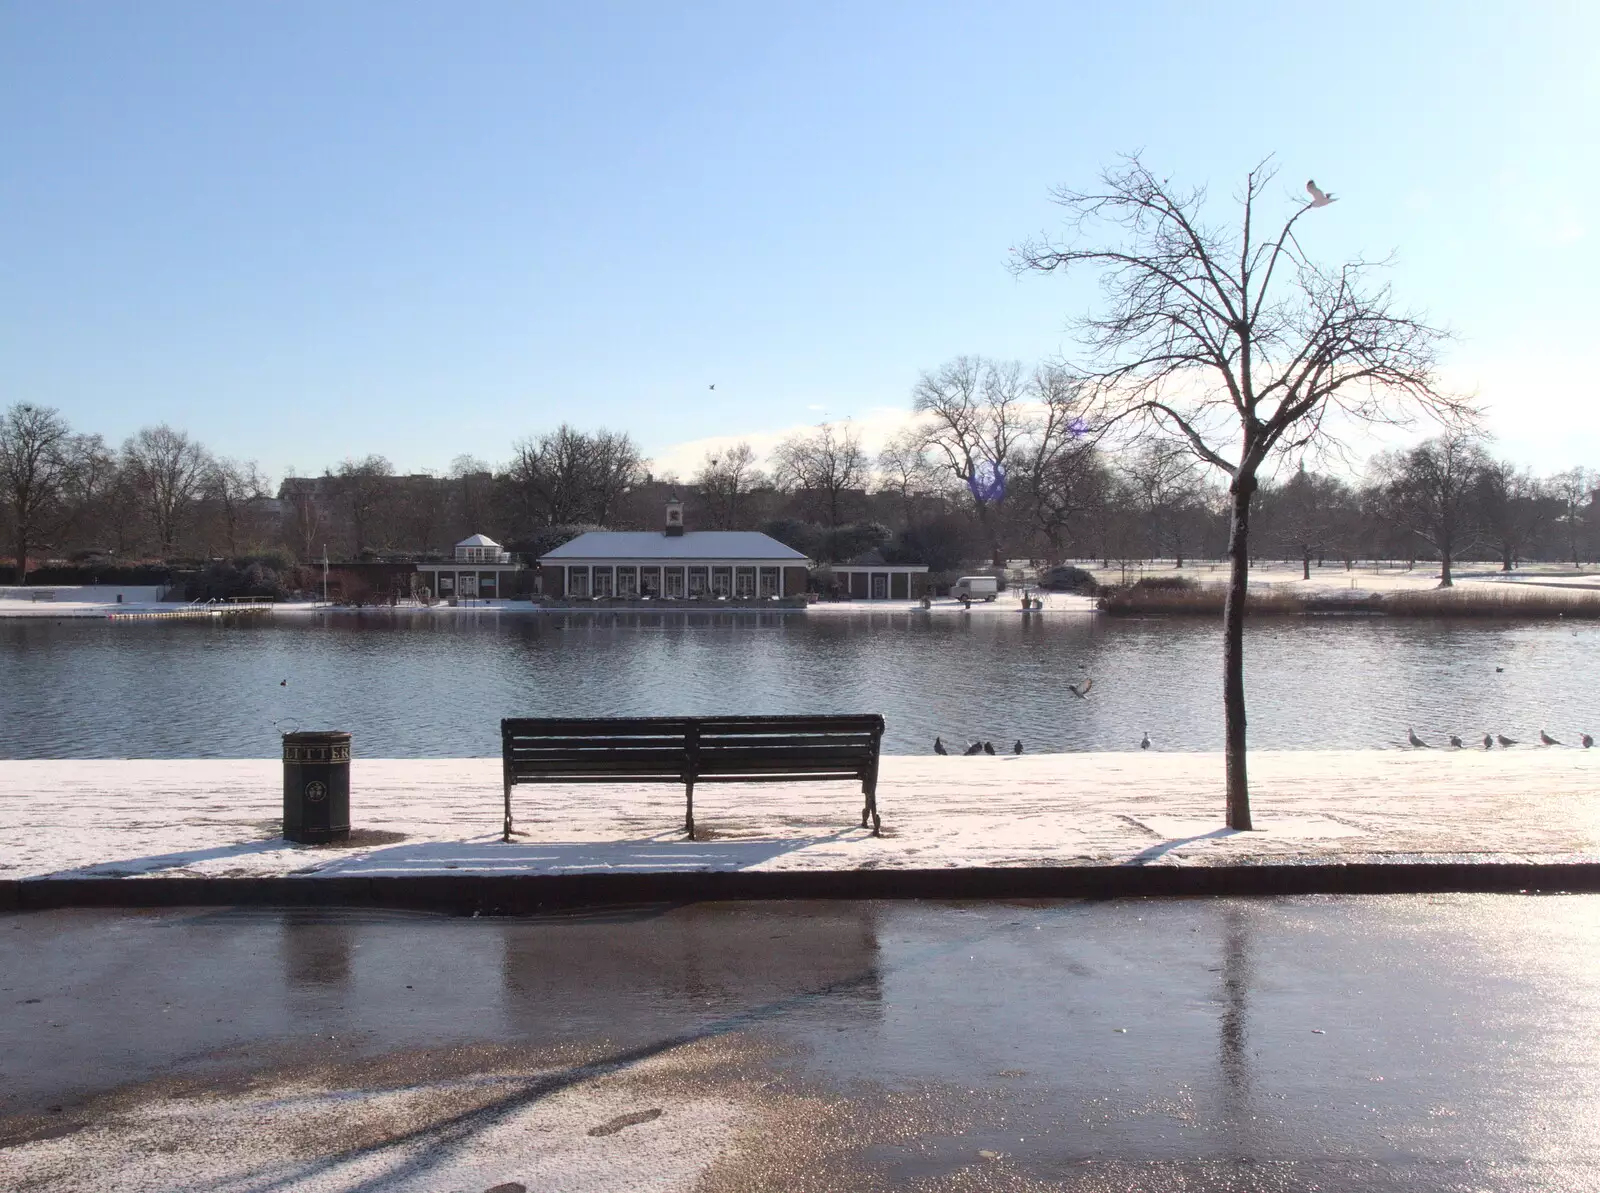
<point x="479" y="540"/>
<point x="868" y="559"/>
<point x="692" y="544"/>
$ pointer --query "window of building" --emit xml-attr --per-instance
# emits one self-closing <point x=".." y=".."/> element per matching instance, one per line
<point x="699" y="581"/>
<point x="650" y="581"/>
<point x="447" y="583"/>
<point x="602" y="582"/>
<point x="744" y="583"/>
<point x="880" y="586"/>
<point x="578" y="582"/>
<point x="674" y="582"/>
<point x="628" y="581"/>
<point x="769" y="583"/>
<point x="721" y="581"/>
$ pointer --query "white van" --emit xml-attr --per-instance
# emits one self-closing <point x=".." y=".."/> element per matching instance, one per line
<point x="976" y="588"/>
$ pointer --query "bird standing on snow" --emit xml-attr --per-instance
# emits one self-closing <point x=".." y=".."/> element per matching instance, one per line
<point x="1546" y="740"/>
<point x="1144" y="742"/>
<point x="1017" y="749"/>
<point x="1318" y="197"/>
<point x="1488" y="742"/>
<point x="1081" y="691"/>
<point x="1505" y="741"/>
<point x="1411" y="736"/>
<point x="1587" y="741"/>
<point x="988" y="748"/>
<point x="975" y="748"/>
<point x="1455" y="741"/>
<point x="938" y="746"/>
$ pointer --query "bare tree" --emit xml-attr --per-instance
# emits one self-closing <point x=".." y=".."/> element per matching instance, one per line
<point x="1164" y="478"/>
<point x="1511" y="507"/>
<point x="565" y="477"/>
<point x="231" y="485"/>
<point x="905" y="469"/>
<point x="365" y="484"/>
<point x="1572" y="489"/>
<point x="34" y="461"/>
<point x="1430" y="491"/>
<point x="1303" y="512"/>
<point x="167" y="470"/>
<point x="977" y="423"/>
<point x="725" y="480"/>
<point x="1237" y="344"/>
<point x="823" y="466"/>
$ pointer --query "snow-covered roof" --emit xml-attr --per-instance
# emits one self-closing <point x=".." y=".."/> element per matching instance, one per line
<point x="693" y="544"/>
<point x="479" y="540"/>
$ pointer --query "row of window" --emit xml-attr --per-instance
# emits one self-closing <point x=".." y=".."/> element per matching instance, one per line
<point x="693" y="582"/>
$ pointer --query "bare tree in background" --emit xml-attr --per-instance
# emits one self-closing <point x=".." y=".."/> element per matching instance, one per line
<point x="1431" y="491"/>
<point x="1163" y="476"/>
<point x="1239" y="345"/>
<point x="89" y="489"/>
<point x="976" y="424"/>
<point x="365" y="486"/>
<point x="231" y="485"/>
<point x="167" y="470"/>
<point x="1573" y="489"/>
<point x="1512" y="506"/>
<point x="823" y="466"/>
<point x="905" y="470"/>
<point x="725" y="480"/>
<point x="566" y="477"/>
<point x="34" y="462"/>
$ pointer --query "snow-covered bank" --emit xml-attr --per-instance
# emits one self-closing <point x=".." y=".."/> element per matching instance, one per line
<point x="221" y="818"/>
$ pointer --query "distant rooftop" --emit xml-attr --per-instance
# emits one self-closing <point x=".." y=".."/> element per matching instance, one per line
<point x="478" y="540"/>
<point x="692" y="544"/>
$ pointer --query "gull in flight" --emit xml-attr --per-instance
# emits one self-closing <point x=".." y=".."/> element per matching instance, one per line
<point x="1081" y="691"/>
<point x="1319" y="198"/>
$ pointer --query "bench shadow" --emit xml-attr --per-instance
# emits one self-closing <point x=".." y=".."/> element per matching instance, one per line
<point x="156" y="862"/>
<point x="571" y="857"/>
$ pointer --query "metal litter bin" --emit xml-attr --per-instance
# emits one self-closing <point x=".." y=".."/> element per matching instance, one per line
<point x="316" y="787"/>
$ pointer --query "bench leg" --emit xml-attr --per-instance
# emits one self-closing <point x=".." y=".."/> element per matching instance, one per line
<point x="505" y="834"/>
<point x="688" y="811"/>
<point x="870" y="808"/>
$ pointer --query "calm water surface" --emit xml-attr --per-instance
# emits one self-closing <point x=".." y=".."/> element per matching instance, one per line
<point x="419" y="685"/>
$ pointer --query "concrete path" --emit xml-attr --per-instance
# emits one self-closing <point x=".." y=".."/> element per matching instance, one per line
<point x="220" y="818"/>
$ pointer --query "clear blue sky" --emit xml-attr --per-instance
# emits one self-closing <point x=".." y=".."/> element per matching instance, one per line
<point x="304" y="230"/>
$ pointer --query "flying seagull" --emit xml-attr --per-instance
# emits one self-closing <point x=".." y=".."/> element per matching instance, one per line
<point x="1017" y="749"/>
<point x="1411" y="736"/>
<point x="1455" y="741"/>
<point x="1506" y="742"/>
<point x="1318" y="197"/>
<point x="1587" y="741"/>
<point x="713" y="386"/>
<point x="1081" y="691"/>
<point x="1144" y="742"/>
<point x="1546" y="740"/>
<point x="975" y="748"/>
<point x="938" y="747"/>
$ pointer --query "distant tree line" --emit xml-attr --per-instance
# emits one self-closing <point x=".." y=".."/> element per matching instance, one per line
<point x="1000" y="462"/>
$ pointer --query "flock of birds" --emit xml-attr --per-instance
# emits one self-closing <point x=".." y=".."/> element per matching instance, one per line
<point x="1489" y="740"/>
<point x="1081" y="690"/>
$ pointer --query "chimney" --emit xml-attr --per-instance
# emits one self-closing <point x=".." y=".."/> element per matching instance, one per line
<point x="674" y="518"/>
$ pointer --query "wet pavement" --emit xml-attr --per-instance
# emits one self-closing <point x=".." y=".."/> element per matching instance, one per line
<point x="1399" y="1042"/>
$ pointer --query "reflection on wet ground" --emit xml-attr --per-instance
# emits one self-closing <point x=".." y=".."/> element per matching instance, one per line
<point x="1371" y="1043"/>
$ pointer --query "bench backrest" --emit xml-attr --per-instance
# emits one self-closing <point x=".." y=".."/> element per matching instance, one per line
<point x="617" y="749"/>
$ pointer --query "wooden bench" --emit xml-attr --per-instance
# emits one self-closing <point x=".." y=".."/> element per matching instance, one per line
<point x="692" y="750"/>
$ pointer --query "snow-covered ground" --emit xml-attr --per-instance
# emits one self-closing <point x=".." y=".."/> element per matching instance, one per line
<point x="434" y="816"/>
<point x="1365" y="577"/>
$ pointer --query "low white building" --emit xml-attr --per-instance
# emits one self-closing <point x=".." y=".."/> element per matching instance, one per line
<point x="481" y="570"/>
<point x="673" y="564"/>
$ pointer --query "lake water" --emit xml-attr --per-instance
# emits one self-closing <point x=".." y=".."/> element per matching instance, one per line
<point x="429" y="685"/>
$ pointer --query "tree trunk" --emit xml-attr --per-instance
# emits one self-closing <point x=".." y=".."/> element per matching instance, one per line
<point x="1242" y="489"/>
<point x="1505" y="559"/>
<point x="1305" y="564"/>
<point x="22" y="557"/>
<point x="1444" y="570"/>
